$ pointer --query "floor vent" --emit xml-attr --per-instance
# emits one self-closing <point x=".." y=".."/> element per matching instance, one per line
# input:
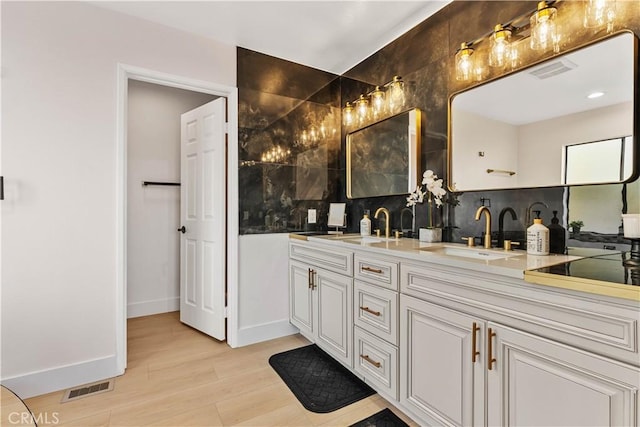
<point x="87" y="390"/>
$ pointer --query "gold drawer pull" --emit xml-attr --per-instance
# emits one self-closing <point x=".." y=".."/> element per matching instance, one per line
<point x="474" y="342"/>
<point x="370" y="360"/>
<point x="373" y="270"/>
<point x="490" y="359"/>
<point x="368" y="310"/>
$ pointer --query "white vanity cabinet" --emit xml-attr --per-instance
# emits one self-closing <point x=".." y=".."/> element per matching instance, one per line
<point x="462" y="365"/>
<point x="321" y="297"/>
<point x="442" y="372"/>
<point x="539" y="382"/>
<point x="376" y="321"/>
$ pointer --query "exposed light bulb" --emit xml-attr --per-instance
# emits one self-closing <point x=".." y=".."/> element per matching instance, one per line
<point x="464" y="63"/>
<point x="377" y="101"/>
<point x="598" y="13"/>
<point x="544" y="35"/>
<point x="362" y="107"/>
<point x="500" y="45"/>
<point x="396" y="94"/>
<point x="347" y="114"/>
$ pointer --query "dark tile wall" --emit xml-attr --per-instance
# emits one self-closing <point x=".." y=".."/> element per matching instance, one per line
<point x="424" y="57"/>
<point x="278" y="99"/>
<point x="297" y="109"/>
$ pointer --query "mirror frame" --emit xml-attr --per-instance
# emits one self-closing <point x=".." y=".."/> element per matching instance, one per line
<point x="635" y="126"/>
<point x="414" y="150"/>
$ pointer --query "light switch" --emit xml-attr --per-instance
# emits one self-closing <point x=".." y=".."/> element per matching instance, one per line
<point x="311" y="216"/>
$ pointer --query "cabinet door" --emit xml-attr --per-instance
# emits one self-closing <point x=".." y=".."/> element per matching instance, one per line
<point x="301" y="311"/>
<point x="334" y="334"/>
<point x="538" y="382"/>
<point x="442" y="375"/>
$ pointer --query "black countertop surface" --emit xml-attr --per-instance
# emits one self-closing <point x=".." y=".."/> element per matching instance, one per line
<point x="606" y="268"/>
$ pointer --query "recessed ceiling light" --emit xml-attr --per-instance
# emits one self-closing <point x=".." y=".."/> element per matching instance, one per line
<point x="595" y="95"/>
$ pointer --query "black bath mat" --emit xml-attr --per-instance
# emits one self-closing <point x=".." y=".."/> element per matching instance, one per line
<point x="319" y="382"/>
<point x="384" y="418"/>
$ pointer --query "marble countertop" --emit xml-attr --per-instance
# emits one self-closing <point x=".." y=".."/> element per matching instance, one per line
<point x="516" y="263"/>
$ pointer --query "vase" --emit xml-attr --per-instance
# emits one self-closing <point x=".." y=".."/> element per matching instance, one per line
<point x="431" y="235"/>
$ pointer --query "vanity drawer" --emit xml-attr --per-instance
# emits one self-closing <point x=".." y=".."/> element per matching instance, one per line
<point x="376" y="310"/>
<point x="377" y="271"/>
<point x="377" y="361"/>
<point x="330" y="258"/>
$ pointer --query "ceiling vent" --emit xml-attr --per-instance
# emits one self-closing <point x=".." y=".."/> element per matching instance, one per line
<point x="87" y="390"/>
<point x="553" y="69"/>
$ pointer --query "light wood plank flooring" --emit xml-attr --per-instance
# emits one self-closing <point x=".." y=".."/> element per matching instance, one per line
<point x="177" y="376"/>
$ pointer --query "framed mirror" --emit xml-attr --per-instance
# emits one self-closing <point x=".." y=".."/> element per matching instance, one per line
<point x="569" y="120"/>
<point x="383" y="158"/>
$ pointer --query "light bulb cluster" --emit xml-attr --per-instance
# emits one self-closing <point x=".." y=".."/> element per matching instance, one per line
<point x="383" y="100"/>
<point x="276" y="154"/>
<point x="544" y="36"/>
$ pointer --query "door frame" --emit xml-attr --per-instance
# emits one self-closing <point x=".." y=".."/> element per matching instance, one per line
<point x="128" y="72"/>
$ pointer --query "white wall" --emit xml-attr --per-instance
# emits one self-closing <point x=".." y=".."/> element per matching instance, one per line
<point x="153" y="212"/>
<point x="541" y="144"/>
<point x="497" y="140"/>
<point x="263" y="289"/>
<point x="59" y="73"/>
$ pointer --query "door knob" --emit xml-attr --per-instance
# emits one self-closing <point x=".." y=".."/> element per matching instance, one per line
<point x="182" y="229"/>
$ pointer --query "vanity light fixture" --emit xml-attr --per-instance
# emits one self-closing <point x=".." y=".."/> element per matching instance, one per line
<point x="386" y="99"/>
<point x="377" y="101"/>
<point x="362" y="109"/>
<point x="275" y="155"/>
<point x="347" y="114"/>
<point x="544" y="32"/>
<point x="396" y="93"/>
<point x="464" y="62"/>
<point x="500" y="46"/>
<point x="598" y="13"/>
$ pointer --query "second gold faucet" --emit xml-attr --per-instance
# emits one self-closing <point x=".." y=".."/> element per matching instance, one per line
<point x="385" y="211"/>
<point x="487" y="228"/>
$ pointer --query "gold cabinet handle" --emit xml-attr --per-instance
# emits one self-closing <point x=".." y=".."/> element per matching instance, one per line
<point x="373" y="270"/>
<point x="474" y="342"/>
<point x="370" y="360"/>
<point x="368" y="310"/>
<point x="311" y="279"/>
<point x="490" y="358"/>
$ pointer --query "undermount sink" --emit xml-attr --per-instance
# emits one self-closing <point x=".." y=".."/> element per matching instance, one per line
<point x="365" y="239"/>
<point x="466" y="252"/>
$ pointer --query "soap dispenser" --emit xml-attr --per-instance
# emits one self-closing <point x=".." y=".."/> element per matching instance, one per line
<point x="537" y="237"/>
<point x="365" y="225"/>
<point x="557" y="235"/>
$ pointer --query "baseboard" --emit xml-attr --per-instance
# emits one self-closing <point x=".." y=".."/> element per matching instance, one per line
<point x="50" y="380"/>
<point x="267" y="331"/>
<point x="147" y="308"/>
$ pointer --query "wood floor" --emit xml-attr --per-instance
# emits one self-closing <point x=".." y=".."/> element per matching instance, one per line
<point x="177" y="376"/>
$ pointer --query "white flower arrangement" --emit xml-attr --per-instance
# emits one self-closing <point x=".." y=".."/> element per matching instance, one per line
<point x="433" y="190"/>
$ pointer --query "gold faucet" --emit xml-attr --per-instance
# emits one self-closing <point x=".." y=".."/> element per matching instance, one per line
<point x="487" y="229"/>
<point x="385" y="211"/>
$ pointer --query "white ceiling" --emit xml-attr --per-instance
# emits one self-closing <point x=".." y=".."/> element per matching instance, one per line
<point x="328" y="35"/>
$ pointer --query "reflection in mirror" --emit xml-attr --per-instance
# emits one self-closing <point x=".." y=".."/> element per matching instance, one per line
<point x="382" y="159"/>
<point x="529" y="128"/>
<point x="602" y="219"/>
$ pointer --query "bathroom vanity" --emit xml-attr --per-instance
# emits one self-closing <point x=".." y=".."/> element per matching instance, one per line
<point x="454" y="335"/>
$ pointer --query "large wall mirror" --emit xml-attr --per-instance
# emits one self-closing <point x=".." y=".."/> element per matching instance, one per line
<point x="569" y="120"/>
<point x="382" y="158"/>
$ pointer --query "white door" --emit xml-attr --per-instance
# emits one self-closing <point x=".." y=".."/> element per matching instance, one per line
<point x="202" y="216"/>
